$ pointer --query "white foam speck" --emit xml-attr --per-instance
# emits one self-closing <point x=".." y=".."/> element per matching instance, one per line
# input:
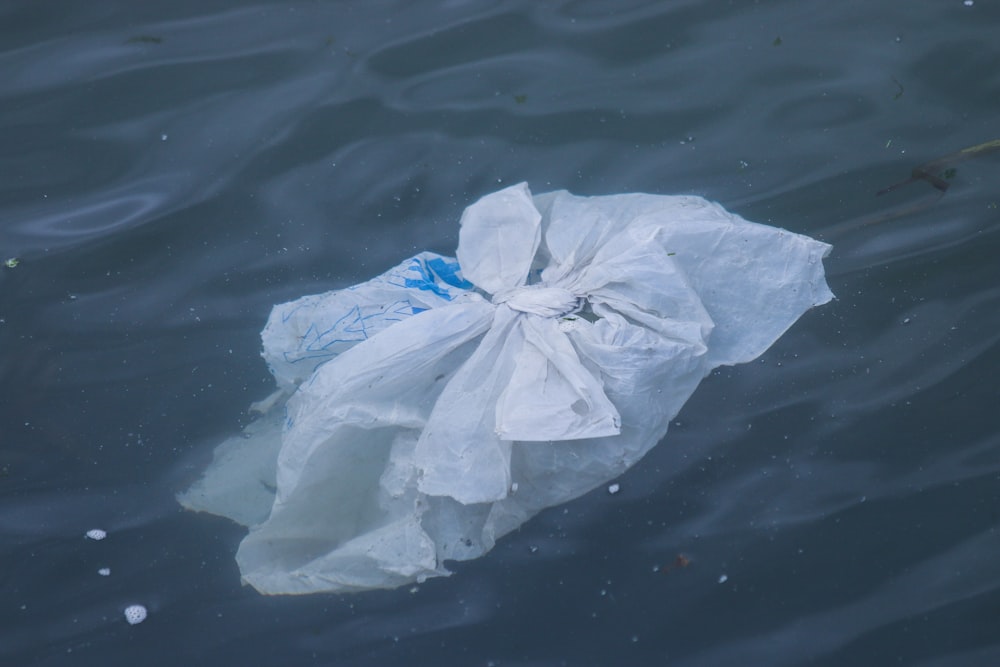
<point x="135" y="614"/>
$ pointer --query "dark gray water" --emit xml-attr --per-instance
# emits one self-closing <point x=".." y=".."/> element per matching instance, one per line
<point x="171" y="170"/>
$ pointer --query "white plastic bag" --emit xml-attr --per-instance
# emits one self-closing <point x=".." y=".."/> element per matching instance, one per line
<point x="431" y="410"/>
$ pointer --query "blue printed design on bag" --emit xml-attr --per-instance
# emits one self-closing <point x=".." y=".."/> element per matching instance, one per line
<point x="424" y="280"/>
<point x="326" y="325"/>
<point x="351" y="327"/>
<point x="431" y="273"/>
<point x="449" y="273"/>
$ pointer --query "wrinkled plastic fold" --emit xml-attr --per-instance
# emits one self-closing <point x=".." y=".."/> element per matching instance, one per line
<point x="423" y="414"/>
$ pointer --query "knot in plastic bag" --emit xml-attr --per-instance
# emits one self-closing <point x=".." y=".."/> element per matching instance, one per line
<point x="540" y="300"/>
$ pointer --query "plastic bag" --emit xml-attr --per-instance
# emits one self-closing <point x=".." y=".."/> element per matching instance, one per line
<point x="425" y="413"/>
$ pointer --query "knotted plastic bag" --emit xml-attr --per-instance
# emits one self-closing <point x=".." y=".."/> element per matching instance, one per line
<point x="427" y="412"/>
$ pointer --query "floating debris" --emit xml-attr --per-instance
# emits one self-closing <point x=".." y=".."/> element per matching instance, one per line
<point x="937" y="173"/>
<point x="135" y="614"/>
<point x="680" y="561"/>
<point x="144" y="39"/>
<point x="96" y="534"/>
<point x="899" y="93"/>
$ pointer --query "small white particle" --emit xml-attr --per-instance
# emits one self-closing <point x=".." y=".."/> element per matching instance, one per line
<point x="163" y="137"/>
<point x="104" y="571"/>
<point x="96" y="534"/>
<point x="968" y="3"/>
<point x="135" y="614"/>
<point x="723" y="578"/>
<point x="614" y="488"/>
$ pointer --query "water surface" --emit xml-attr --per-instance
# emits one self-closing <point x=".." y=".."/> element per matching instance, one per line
<point x="171" y="170"/>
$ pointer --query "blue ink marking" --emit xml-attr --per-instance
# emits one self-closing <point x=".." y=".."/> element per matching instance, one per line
<point x="346" y="328"/>
<point x="287" y="315"/>
<point x="361" y="323"/>
<point x="403" y="307"/>
<point x="448" y="272"/>
<point x="290" y="359"/>
<point x="426" y="280"/>
<point x="353" y="326"/>
<point x="362" y="320"/>
<point x="303" y="339"/>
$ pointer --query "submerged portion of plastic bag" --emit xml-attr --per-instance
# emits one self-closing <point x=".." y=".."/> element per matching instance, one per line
<point x="427" y="412"/>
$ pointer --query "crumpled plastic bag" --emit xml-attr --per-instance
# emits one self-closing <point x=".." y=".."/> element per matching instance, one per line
<point x="427" y="412"/>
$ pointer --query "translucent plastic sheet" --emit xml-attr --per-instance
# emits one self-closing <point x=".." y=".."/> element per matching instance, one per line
<point x="427" y="412"/>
